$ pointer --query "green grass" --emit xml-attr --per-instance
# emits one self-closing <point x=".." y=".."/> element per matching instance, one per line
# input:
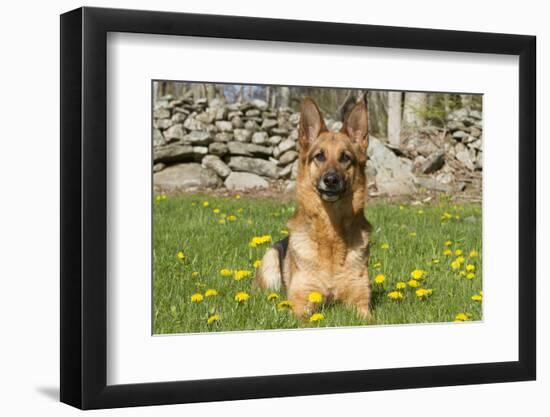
<point x="182" y="223"/>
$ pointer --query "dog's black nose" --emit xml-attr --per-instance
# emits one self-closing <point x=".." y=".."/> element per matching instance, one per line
<point x="331" y="180"/>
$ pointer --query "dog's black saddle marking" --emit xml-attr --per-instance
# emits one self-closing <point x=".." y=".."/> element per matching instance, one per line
<point x="282" y="248"/>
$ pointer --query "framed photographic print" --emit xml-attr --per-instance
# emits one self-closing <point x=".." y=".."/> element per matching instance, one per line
<point x="257" y="208"/>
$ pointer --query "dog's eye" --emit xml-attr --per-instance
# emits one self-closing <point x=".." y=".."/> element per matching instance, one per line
<point x="344" y="158"/>
<point x="320" y="157"/>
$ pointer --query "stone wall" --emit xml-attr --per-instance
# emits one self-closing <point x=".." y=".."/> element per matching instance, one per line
<point x="201" y="144"/>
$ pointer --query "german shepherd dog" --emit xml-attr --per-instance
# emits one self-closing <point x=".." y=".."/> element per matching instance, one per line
<point x="326" y="250"/>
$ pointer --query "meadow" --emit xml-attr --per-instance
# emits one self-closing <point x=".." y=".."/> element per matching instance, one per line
<point x="425" y="265"/>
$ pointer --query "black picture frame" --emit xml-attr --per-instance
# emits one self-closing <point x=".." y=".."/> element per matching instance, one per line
<point x="84" y="207"/>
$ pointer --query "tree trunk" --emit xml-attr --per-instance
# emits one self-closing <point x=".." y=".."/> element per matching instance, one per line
<point x="394" y="117"/>
<point x="285" y="97"/>
<point x="413" y="110"/>
<point x="210" y="91"/>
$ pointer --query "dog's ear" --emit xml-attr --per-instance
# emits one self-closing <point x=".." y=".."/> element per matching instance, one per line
<point x="311" y="123"/>
<point x="356" y="125"/>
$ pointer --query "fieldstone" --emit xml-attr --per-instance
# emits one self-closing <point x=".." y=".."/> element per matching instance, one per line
<point x="242" y="135"/>
<point x="163" y="123"/>
<point x="206" y="117"/>
<point x="186" y="177"/>
<point x="276" y="152"/>
<point x="459" y="135"/>
<point x="221" y="113"/>
<point x="433" y="163"/>
<point x="260" y="138"/>
<point x="175" y="152"/>
<point x="252" y="113"/>
<point x="290" y="187"/>
<point x="294" y="118"/>
<point x="254" y="165"/>
<point x="286" y="145"/>
<point x="274" y="140"/>
<point x="288" y="157"/>
<point x="393" y="174"/>
<point x="433" y="184"/>
<point x="251" y="125"/>
<point x="294" y="135"/>
<point x="224" y="126"/>
<point x="159" y="167"/>
<point x="475" y="132"/>
<point x="218" y="148"/>
<point x="199" y="152"/>
<point x="421" y="146"/>
<point x="281" y="131"/>
<point x="259" y="104"/>
<point x="217" y="165"/>
<point x="178" y="118"/>
<point x="465" y="157"/>
<point x="258" y="150"/>
<point x="238" y="148"/>
<point x="248" y="149"/>
<point x="161" y="113"/>
<point x="475" y="144"/>
<point x="455" y="125"/>
<point x="286" y="171"/>
<point x="233" y="114"/>
<point x="237" y="122"/>
<point x="459" y="114"/>
<point x="269" y="124"/>
<point x="158" y="138"/>
<point x="197" y="137"/>
<point x="475" y="114"/>
<point x="244" y="181"/>
<point x="223" y="137"/>
<point x="294" y="173"/>
<point x="173" y="133"/>
<point x="193" y="124"/>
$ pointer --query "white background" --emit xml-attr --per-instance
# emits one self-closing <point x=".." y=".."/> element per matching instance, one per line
<point x="29" y="220"/>
<point x="133" y="60"/>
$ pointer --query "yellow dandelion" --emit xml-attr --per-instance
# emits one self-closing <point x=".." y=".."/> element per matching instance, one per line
<point x="194" y="274"/>
<point x="226" y="272"/>
<point x="455" y="264"/>
<point x="158" y="199"/>
<point x="377" y="265"/>
<point x="412" y="234"/>
<point x="418" y="274"/>
<point x="473" y="254"/>
<point x="462" y="317"/>
<point x="435" y="261"/>
<point x="448" y="243"/>
<point x="197" y="298"/>
<point x="205" y="203"/>
<point x="284" y="305"/>
<point x="400" y="285"/>
<point x="476" y="297"/>
<point x="238" y="197"/>
<point x="216" y="211"/>
<point x="413" y="283"/>
<point x="273" y="296"/>
<point x="316" y="317"/>
<point x="462" y="273"/>
<point x="181" y="256"/>
<point x="315" y="297"/>
<point x="211" y="292"/>
<point x="241" y="296"/>
<point x="458" y="252"/>
<point x="257" y="263"/>
<point x="241" y="273"/>
<point x="470" y="267"/>
<point x="384" y="246"/>
<point x="423" y="292"/>
<point x="460" y="259"/>
<point x="213" y="319"/>
<point x="240" y="210"/>
<point x="395" y="295"/>
<point x="447" y="252"/>
<point x="221" y="221"/>
<point x="379" y="279"/>
<point x="231" y="218"/>
<point x="284" y="232"/>
<point x="401" y="208"/>
<point x="470" y="275"/>
<point x="420" y="211"/>
<point x="193" y="204"/>
<point x="259" y="240"/>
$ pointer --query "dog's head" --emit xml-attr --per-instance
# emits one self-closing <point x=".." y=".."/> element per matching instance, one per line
<point x="333" y="162"/>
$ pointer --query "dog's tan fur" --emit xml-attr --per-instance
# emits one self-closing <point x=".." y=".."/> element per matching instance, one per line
<point x="328" y="240"/>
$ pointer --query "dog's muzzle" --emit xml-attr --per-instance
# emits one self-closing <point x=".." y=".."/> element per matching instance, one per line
<point x="331" y="186"/>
